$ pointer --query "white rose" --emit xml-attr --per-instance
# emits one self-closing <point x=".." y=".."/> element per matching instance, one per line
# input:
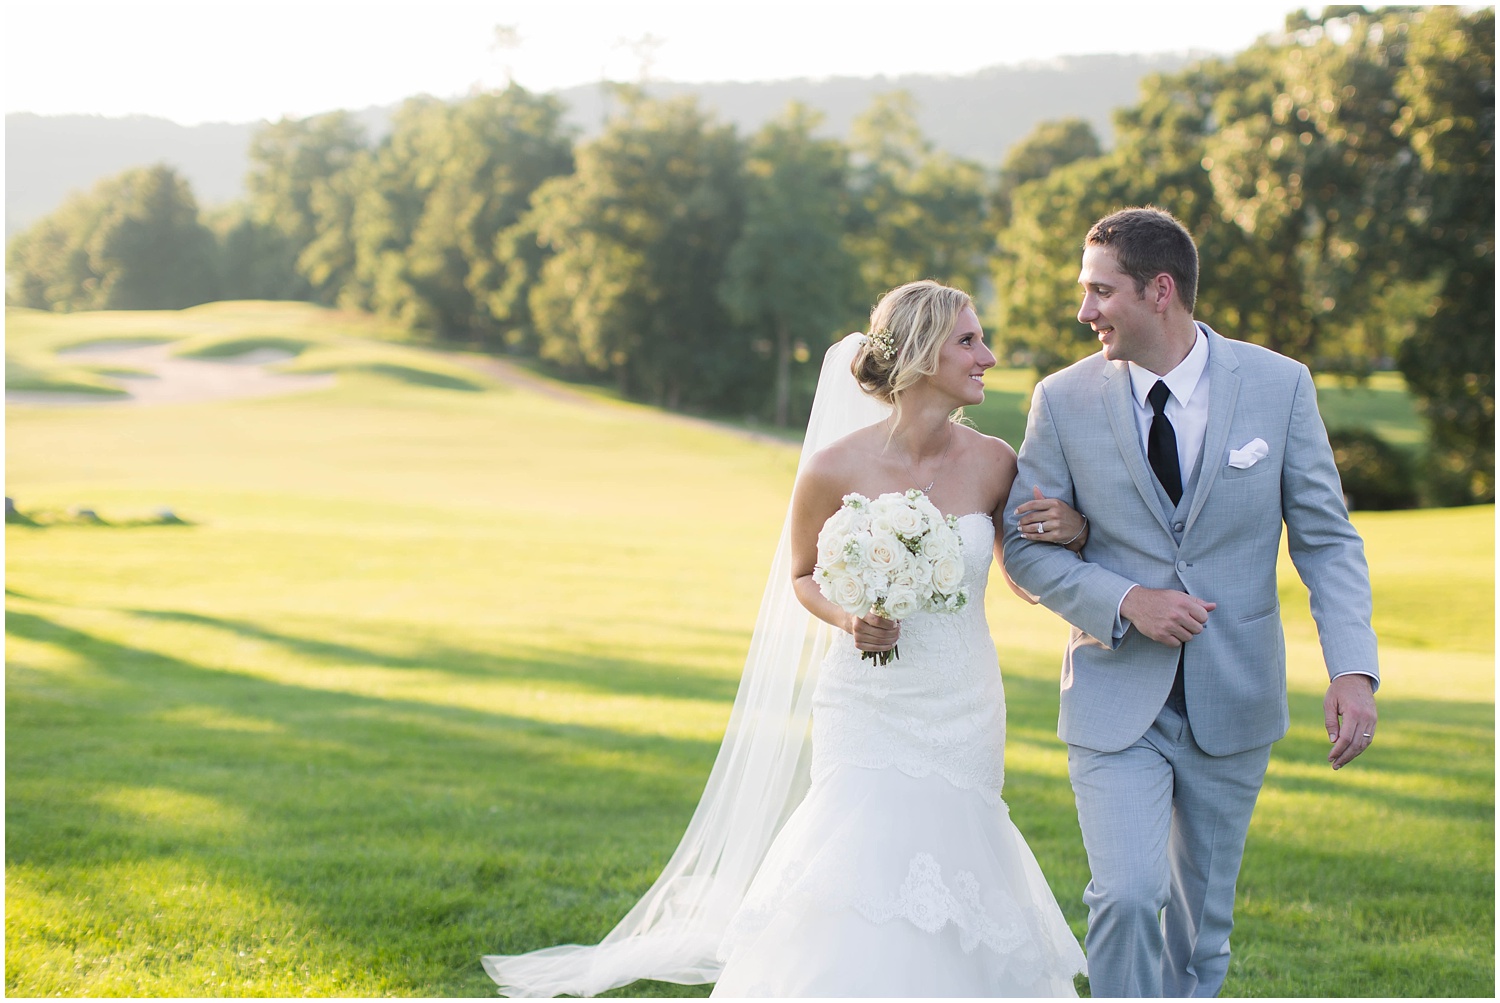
<point x="941" y="543"/>
<point x="845" y="591"/>
<point x="935" y="545"/>
<point x="847" y="520"/>
<point x="947" y="573"/>
<point x="830" y="546"/>
<point x="907" y="522"/>
<point x="902" y="601"/>
<point x="954" y="543"/>
<point x="920" y="573"/>
<point x="885" y="553"/>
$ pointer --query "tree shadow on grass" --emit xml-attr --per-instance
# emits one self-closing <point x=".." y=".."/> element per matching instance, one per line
<point x="414" y="837"/>
<point x="447" y="832"/>
<point x="591" y="672"/>
<point x="1415" y="738"/>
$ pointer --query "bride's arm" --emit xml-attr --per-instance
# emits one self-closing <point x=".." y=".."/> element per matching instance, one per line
<point x="817" y="496"/>
<point x="1049" y="520"/>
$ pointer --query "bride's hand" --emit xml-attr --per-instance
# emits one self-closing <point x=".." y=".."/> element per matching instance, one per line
<point x="1051" y="520"/>
<point x="874" y="633"/>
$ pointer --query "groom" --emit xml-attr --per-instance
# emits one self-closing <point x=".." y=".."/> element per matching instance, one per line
<point x="1187" y="452"/>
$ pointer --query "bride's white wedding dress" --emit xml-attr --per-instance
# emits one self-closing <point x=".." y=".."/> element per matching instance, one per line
<point x="900" y="874"/>
<point x="888" y="868"/>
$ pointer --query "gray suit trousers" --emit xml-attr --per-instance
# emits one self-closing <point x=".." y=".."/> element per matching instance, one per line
<point x="1164" y="826"/>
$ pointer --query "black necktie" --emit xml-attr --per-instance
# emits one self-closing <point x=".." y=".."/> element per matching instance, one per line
<point x="1161" y="444"/>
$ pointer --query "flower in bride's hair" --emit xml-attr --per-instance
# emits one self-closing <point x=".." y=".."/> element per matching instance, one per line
<point x="884" y="343"/>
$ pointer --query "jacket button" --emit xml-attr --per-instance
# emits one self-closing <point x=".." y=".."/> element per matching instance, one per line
<point x="1182" y="565"/>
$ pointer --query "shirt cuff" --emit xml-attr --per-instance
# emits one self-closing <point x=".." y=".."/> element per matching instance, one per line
<point x="1121" y="624"/>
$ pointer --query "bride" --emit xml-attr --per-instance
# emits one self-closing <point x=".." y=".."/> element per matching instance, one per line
<point x="869" y="854"/>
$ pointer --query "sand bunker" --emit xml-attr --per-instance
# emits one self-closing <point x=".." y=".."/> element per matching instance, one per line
<point x="177" y="381"/>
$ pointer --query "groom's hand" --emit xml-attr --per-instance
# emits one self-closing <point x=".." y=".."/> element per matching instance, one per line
<point x="1168" y="617"/>
<point x="1349" y="713"/>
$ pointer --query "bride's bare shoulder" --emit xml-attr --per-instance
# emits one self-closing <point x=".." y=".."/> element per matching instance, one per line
<point x="843" y="458"/>
<point x="986" y="447"/>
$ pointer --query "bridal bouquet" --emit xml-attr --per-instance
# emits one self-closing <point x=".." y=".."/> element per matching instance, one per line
<point x="894" y="556"/>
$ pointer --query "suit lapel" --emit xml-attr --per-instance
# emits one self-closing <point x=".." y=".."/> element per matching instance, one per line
<point x="1119" y="404"/>
<point x="1224" y="390"/>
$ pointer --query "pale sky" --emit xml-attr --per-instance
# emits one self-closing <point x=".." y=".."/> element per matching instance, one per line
<point x="198" y="61"/>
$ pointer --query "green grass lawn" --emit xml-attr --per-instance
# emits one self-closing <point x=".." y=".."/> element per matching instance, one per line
<point x="436" y="673"/>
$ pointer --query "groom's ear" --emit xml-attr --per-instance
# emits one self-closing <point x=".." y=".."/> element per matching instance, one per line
<point x="1162" y="288"/>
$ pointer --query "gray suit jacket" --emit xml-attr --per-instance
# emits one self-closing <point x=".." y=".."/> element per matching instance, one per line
<point x="1221" y="544"/>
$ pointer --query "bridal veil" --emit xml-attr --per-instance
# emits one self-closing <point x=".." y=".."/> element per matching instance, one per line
<point x="761" y="774"/>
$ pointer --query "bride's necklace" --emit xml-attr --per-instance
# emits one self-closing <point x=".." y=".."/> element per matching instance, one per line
<point x="915" y="479"/>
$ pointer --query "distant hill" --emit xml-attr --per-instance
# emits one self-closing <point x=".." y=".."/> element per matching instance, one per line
<point x="978" y="115"/>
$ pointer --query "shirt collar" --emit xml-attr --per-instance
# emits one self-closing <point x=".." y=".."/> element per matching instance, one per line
<point x="1181" y="381"/>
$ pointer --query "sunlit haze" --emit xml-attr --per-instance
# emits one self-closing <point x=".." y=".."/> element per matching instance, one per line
<point x="228" y="60"/>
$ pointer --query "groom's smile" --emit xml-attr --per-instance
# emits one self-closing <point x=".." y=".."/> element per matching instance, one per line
<point x="1120" y="317"/>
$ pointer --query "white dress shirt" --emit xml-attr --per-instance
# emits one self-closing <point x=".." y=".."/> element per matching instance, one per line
<point x="1186" y="408"/>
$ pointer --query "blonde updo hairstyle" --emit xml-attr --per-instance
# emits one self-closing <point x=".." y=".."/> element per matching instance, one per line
<point x="910" y="323"/>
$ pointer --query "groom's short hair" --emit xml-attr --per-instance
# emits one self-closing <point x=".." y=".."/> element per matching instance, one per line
<point x="1147" y="241"/>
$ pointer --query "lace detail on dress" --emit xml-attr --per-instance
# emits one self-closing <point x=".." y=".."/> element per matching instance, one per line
<point x="939" y="708"/>
<point x="929" y="904"/>
<point x="925" y="899"/>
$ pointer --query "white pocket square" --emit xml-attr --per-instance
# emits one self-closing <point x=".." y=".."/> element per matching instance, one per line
<point x="1253" y="452"/>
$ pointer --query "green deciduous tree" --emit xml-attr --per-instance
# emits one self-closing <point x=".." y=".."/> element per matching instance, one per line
<point x="495" y="151"/>
<point x="917" y="213"/>
<point x="416" y="230"/>
<point x="1339" y="181"/>
<point x="132" y="243"/>
<point x="1448" y="86"/>
<point x="291" y="161"/>
<point x="1049" y="146"/>
<point x="639" y="235"/>
<point x="789" y="278"/>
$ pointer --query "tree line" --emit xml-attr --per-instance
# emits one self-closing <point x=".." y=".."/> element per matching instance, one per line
<point x="1339" y="180"/>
